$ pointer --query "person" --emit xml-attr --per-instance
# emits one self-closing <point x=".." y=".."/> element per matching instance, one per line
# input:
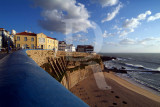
<point x="10" y="48"/>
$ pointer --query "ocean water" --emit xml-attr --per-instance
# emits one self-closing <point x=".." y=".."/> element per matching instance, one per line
<point x="142" y="68"/>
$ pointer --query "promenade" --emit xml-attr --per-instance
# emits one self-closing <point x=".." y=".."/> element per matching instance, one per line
<point x="24" y="84"/>
<point x="2" y="55"/>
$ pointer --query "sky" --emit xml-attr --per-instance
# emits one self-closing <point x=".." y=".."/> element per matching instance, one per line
<point x="111" y="26"/>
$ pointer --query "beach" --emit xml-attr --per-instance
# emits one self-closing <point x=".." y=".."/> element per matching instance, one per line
<point x="121" y="93"/>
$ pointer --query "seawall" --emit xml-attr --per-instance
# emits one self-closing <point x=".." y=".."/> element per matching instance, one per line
<point x="68" y="68"/>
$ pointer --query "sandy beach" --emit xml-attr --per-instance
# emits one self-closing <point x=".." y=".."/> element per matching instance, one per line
<point x="121" y="93"/>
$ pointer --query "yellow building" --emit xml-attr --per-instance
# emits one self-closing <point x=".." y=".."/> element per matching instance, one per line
<point x="41" y="41"/>
<point x="52" y="43"/>
<point x="45" y="42"/>
<point x="25" y="40"/>
<point x="56" y="44"/>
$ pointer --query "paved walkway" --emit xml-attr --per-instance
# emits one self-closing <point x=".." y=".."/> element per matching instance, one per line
<point x="24" y="84"/>
<point x="2" y="55"/>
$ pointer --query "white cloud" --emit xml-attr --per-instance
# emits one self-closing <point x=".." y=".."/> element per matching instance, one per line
<point x="145" y="41"/>
<point x="65" y="16"/>
<point x="123" y="33"/>
<point x="77" y="38"/>
<point x="112" y="43"/>
<point x="127" y="41"/>
<point x="149" y="44"/>
<point x="155" y="17"/>
<point x="117" y="28"/>
<point x="106" y="3"/>
<point x="143" y="15"/>
<point x="83" y="40"/>
<point x="130" y="24"/>
<point x="112" y="15"/>
<point x="106" y="34"/>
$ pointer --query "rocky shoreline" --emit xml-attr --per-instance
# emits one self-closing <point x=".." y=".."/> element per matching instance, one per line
<point x="107" y="58"/>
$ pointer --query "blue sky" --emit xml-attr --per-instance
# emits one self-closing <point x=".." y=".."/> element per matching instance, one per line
<point x="110" y="25"/>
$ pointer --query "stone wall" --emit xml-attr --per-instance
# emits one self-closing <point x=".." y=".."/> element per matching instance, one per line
<point x="57" y="66"/>
<point x="72" y="78"/>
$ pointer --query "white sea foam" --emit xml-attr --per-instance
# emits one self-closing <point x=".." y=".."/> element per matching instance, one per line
<point x="138" y="83"/>
<point x="158" y="68"/>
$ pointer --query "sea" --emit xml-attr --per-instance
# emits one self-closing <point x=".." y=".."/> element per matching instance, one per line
<point x="143" y="69"/>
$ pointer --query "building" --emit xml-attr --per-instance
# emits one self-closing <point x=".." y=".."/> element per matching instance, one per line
<point x="41" y="41"/>
<point x="28" y="40"/>
<point x="85" y="48"/>
<point x="56" y="42"/>
<point x="25" y="40"/>
<point x="6" y="39"/>
<point x="45" y="42"/>
<point x="62" y="45"/>
<point x="70" y="48"/>
<point x="52" y="43"/>
<point x="13" y="32"/>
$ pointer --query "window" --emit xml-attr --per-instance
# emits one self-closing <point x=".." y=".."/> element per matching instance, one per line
<point x="18" y="45"/>
<point x="43" y="39"/>
<point x="53" y="42"/>
<point x="18" y="38"/>
<point x="25" y="38"/>
<point x="48" y="41"/>
<point x="39" y="40"/>
<point x="32" y="46"/>
<point x="32" y="39"/>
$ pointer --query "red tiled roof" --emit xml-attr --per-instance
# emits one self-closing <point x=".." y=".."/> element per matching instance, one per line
<point x="1" y="28"/>
<point x="26" y="33"/>
<point x="51" y="38"/>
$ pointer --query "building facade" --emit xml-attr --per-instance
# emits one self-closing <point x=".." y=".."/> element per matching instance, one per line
<point x="62" y="46"/>
<point x="85" y="48"/>
<point x="56" y="42"/>
<point x="6" y="39"/>
<point x="70" y="48"/>
<point x="28" y="40"/>
<point x="52" y="43"/>
<point x="25" y="40"/>
<point x="41" y="41"/>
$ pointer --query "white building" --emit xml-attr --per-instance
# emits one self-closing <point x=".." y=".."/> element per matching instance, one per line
<point x="70" y="48"/>
<point x="5" y="38"/>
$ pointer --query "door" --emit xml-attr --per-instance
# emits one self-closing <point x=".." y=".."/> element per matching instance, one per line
<point x="41" y="46"/>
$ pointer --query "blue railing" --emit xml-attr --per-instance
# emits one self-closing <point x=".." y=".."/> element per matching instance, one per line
<point x="24" y="84"/>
